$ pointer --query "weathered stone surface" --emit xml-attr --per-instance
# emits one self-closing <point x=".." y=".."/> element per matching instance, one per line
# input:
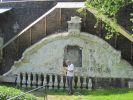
<point x="99" y="59"/>
<point x="74" y="26"/>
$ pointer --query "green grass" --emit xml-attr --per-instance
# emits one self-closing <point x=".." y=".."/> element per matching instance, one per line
<point x="101" y="94"/>
<point x="108" y="94"/>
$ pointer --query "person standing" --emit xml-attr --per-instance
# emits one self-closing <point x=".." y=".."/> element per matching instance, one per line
<point x="70" y="74"/>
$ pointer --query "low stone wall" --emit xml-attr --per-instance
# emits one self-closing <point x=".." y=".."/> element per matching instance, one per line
<point x="53" y="81"/>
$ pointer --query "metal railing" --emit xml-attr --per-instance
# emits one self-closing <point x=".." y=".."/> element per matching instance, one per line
<point x="23" y="94"/>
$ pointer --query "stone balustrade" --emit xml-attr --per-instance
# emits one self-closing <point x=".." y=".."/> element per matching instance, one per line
<point x="58" y="81"/>
<point x="53" y="81"/>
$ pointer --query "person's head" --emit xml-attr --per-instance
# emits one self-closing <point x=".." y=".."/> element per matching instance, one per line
<point x="68" y="62"/>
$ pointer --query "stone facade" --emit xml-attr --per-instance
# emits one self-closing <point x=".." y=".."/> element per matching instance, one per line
<point x="94" y="59"/>
<point x="99" y="59"/>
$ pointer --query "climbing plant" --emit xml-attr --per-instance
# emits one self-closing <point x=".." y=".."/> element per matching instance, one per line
<point x="131" y="21"/>
<point x="109" y="8"/>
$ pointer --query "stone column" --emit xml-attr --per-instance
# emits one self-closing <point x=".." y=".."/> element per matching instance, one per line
<point x="78" y="83"/>
<point x="55" y="80"/>
<point x="90" y="84"/>
<point x="29" y="81"/>
<point x="18" y="79"/>
<point x="61" y="83"/>
<point x="130" y="84"/>
<point x="34" y="80"/>
<point x="84" y="82"/>
<point x="24" y="80"/>
<point x="44" y="82"/>
<point x="39" y="79"/>
<point x="50" y="81"/>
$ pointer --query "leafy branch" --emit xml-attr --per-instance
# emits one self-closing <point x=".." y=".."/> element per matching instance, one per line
<point x="109" y="8"/>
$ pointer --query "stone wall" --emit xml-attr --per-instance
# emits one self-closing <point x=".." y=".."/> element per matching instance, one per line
<point x="100" y="62"/>
<point x="98" y="58"/>
<point x="45" y="27"/>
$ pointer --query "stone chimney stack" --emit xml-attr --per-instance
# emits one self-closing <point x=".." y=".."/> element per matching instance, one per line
<point x="74" y="25"/>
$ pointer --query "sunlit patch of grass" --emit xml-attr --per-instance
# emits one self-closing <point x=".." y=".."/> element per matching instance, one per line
<point x="102" y="94"/>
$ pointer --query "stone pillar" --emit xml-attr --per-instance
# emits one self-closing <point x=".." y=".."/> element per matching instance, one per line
<point x="24" y="80"/>
<point x="50" y="81"/>
<point x="90" y="84"/>
<point x="130" y="84"/>
<point x="84" y="82"/>
<point x="78" y="83"/>
<point x="61" y="81"/>
<point x="44" y="82"/>
<point x="39" y="79"/>
<point x="29" y="81"/>
<point x="18" y="79"/>
<point x="34" y="80"/>
<point x="55" y="80"/>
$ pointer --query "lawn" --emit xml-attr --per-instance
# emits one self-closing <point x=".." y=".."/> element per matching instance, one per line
<point x="108" y="94"/>
<point x="100" y="94"/>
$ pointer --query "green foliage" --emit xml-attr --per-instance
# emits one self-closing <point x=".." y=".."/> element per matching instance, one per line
<point x="108" y="8"/>
<point x="8" y="92"/>
<point x="131" y="21"/>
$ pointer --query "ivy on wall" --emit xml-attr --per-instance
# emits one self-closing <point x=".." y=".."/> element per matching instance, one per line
<point x="108" y="8"/>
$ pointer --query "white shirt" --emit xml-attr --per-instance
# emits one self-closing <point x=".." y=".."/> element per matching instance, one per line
<point x="70" y="70"/>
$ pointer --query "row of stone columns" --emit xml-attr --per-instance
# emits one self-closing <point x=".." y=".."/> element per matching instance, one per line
<point x="52" y="81"/>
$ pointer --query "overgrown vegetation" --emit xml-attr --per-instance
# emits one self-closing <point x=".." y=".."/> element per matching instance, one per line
<point x="109" y="8"/>
<point x="8" y="92"/>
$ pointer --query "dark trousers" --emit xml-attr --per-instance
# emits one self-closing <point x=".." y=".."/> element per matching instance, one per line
<point x="69" y="83"/>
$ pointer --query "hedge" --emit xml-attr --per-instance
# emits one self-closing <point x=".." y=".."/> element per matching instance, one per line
<point x="8" y="92"/>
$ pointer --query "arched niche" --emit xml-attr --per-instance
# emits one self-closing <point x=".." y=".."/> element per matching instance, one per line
<point x="74" y="54"/>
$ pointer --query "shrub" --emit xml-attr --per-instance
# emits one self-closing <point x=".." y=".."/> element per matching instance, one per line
<point x="8" y="92"/>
